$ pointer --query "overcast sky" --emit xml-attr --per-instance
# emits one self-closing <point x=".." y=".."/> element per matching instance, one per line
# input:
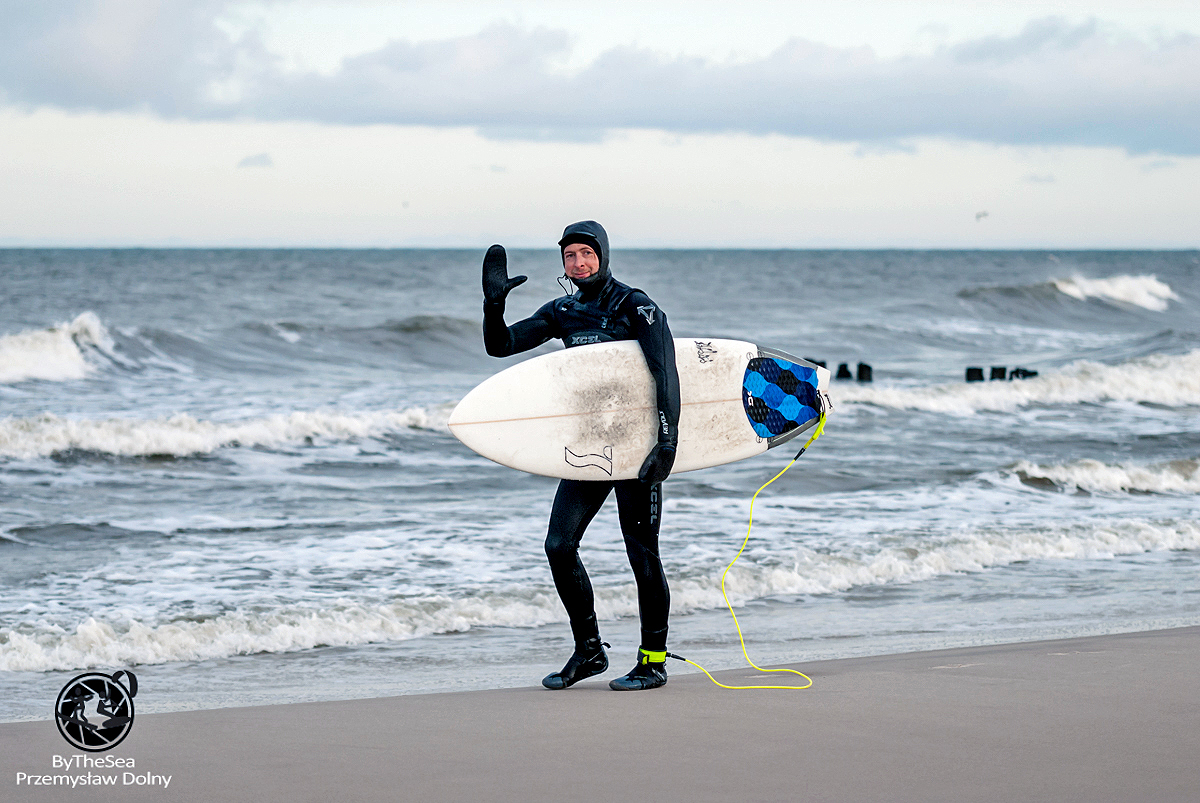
<point x="752" y="124"/>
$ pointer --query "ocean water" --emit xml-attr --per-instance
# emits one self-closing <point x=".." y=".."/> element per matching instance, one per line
<point x="230" y="470"/>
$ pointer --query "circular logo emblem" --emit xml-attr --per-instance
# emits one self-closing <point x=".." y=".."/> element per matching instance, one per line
<point x="94" y="711"/>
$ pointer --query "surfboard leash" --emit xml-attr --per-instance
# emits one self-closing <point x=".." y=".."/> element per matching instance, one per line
<point x="741" y="638"/>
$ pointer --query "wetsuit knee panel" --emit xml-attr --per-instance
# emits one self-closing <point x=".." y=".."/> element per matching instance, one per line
<point x="560" y="546"/>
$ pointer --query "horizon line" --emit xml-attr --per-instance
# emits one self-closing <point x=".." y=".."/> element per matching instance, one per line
<point x="475" y="247"/>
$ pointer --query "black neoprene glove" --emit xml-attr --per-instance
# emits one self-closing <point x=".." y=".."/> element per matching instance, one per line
<point x="496" y="284"/>
<point x="657" y="466"/>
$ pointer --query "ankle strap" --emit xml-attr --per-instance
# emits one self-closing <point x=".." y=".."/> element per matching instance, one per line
<point x="651" y="656"/>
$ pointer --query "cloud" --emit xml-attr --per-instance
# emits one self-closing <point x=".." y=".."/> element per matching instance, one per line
<point x="114" y="55"/>
<point x="257" y="160"/>
<point x="1040" y="178"/>
<point x="1158" y="164"/>
<point x="1053" y="83"/>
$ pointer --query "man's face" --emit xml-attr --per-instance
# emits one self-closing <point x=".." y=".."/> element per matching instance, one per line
<point x="580" y="261"/>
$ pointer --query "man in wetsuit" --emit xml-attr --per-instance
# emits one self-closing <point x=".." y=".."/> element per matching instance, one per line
<point x="601" y="310"/>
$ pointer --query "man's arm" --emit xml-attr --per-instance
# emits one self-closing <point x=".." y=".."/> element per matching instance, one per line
<point x="498" y="339"/>
<point x="501" y="340"/>
<point x="654" y="336"/>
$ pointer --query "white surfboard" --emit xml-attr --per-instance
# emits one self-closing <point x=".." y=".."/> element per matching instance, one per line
<point x="589" y="413"/>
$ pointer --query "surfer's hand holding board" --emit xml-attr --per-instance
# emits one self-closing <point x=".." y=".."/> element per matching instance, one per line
<point x="657" y="465"/>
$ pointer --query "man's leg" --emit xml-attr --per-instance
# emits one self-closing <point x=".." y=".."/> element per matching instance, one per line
<point x="640" y="508"/>
<point x="575" y="505"/>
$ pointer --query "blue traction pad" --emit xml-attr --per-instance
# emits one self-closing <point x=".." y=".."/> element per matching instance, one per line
<point x="778" y="395"/>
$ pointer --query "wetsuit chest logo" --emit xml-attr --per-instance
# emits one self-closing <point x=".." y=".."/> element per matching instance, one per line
<point x="647" y="312"/>
<point x="582" y="340"/>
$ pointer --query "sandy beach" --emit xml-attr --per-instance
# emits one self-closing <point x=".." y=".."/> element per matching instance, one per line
<point x="1108" y="718"/>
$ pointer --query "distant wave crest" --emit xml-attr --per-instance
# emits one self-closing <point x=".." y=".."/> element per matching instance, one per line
<point x="1173" y="477"/>
<point x="1169" y="380"/>
<point x="76" y="350"/>
<point x="54" y="354"/>
<point x="183" y="436"/>
<point x="1144" y="291"/>
<point x="427" y="326"/>
<point x="94" y="642"/>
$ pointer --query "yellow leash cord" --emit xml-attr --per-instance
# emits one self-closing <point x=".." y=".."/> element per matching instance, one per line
<point x="816" y="434"/>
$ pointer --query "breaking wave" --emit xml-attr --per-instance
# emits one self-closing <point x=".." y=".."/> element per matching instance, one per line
<point x="1174" y="477"/>
<point x="1169" y="380"/>
<point x="54" y="354"/>
<point x="95" y="642"/>
<point x="75" y="350"/>
<point x="99" y="643"/>
<point x="974" y="551"/>
<point x="1144" y="291"/>
<point x="183" y="436"/>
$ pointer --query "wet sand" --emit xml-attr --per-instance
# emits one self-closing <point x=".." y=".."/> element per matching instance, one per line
<point x="1107" y="718"/>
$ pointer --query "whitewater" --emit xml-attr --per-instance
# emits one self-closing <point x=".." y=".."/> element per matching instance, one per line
<point x="231" y="469"/>
<point x="56" y="353"/>
<point x="1168" y="380"/>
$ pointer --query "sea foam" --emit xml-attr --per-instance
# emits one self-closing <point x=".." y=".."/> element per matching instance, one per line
<point x="54" y="354"/>
<point x="95" y="642"/>
<point x="182" y="435"/>
<point x="1172" y="477"/>
<point x="1169" y="380"/>
<point x="1144" y="291"/>
<point x="975" y="550"/>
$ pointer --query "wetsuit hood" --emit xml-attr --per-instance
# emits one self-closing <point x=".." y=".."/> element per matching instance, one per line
<point x="592" y="234"/>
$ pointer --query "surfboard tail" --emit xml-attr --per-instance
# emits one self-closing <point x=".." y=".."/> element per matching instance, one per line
<point x="783" y="396"/>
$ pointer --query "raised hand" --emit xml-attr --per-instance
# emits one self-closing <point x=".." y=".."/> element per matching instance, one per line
<point x="496" y="284"/>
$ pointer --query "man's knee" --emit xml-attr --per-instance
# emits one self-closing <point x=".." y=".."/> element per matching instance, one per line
<point x="558" y="546"/>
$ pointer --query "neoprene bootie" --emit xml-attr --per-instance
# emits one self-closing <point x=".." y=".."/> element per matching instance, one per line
<point x="588" y="659"/>
<point x="650" y="672"/>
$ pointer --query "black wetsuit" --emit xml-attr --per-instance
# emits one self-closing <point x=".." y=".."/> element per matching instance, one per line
<point x="601" y="311"/>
